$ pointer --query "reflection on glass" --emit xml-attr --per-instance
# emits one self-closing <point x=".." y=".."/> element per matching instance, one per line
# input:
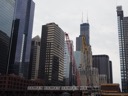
<point x="6" y="20"/>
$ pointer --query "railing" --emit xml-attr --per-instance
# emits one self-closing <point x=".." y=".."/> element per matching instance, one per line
<point x="63" y="88"/>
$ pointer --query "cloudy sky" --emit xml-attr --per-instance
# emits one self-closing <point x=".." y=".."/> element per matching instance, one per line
<point x="102" y="19"/>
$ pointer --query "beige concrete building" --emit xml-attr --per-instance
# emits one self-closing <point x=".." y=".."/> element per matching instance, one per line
<point x="102" y="79"/>
<point x="95" y="77"/>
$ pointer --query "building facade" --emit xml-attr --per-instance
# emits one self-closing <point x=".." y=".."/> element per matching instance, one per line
<point x="66" y="65"/>
<point x="79" y="58"/>
<point x="123" y="47"/>
<point x="95" y="77"/>
<point x="7" y="8"/>
<point x="102" y="79"/>
<point x="102" y="63"/>
<point x="21" y="42"/>
<point x="84" y="30"/>
<point x="51" y="67"/>
<point x="34" y="58"/>
<point x="11" y="82"/>
<point x="79" y="43"/>
<point x="111" y="71"/>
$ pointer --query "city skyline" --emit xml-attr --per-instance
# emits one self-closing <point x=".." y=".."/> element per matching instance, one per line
<point x="41" y="53"/>
<point x="68" y="14"/>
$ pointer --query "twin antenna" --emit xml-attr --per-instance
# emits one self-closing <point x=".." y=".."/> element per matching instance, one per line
<point x="82" y="18"/>
<point x="87" y="13"/>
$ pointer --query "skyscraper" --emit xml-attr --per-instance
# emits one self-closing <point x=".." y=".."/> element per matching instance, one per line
<point x="86" y="62"/>
<point x="21" y="42"/>
<point x="7" y="8"/>
<point x="51" y="67"/>
<point x="66" y="65"/>
<point x="34" y="58"/>
<point x="123" y="47"/>
<point x="103" y="64"/>
<point x="72" y="73"/>
<point x="84" y="30"/>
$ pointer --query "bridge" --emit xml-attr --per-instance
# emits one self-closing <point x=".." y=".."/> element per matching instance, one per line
<point x="63" y="90"/>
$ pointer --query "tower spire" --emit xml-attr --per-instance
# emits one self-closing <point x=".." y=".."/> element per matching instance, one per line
<point x="87" y="18"/>
<point x="82" y="18"/>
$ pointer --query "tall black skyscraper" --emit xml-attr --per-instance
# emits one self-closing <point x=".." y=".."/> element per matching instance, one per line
<point x="7" y="8"/>
<point x="104" y="66"/>
<point x="51" y="67"/>
<point x="123" y="47"/>
<point x="21" y="42"/>
<point x="84" y="30"/>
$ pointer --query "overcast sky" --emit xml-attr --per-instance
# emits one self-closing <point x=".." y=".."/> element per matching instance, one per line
<point x="102" y="19"/>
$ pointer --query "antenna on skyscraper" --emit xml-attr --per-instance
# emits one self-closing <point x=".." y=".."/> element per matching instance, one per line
<point x="82" y="18"/>
<point x="87" y="18"/>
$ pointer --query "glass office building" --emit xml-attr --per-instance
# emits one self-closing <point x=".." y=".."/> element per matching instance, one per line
<point x="67" y="77"/>
<point x="84" y="30"/>
<point x="123" y="47"/>
<point x="7" y="8"/>
<point x="21" y="42"/>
